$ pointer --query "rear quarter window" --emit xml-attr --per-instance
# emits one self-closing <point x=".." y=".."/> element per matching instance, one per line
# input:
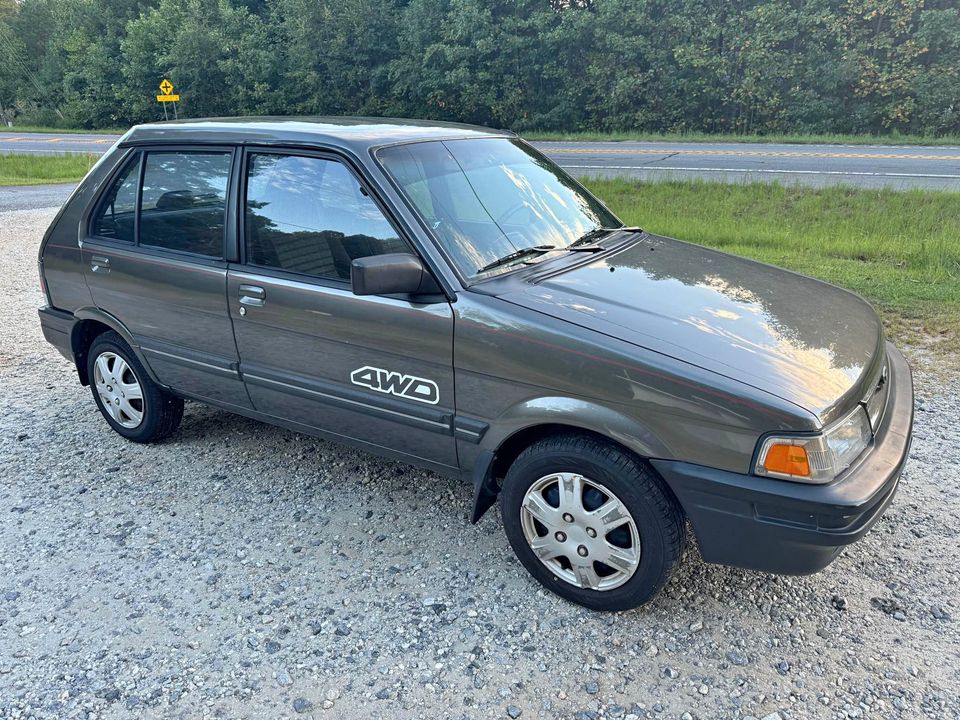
<point x="115" y="217"/>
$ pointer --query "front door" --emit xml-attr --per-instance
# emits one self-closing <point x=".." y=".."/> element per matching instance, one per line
<point x="372" y="369"/>
<point x="154" y="259"/>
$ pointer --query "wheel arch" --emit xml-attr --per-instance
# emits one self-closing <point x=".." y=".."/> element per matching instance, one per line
<point x="534" y="419"/>
<point x="90" y="324"/>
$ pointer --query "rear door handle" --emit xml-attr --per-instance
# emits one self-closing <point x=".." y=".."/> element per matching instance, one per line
<point x="99" y="264"/>
<point x="252" y="295"/>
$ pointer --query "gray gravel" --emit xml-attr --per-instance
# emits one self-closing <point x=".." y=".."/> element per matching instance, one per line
<point x="31" y="197"/>
<point x="240" y="570"/>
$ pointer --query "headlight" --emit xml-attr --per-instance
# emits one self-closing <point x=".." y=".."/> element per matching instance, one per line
<point x="816" y="458"/>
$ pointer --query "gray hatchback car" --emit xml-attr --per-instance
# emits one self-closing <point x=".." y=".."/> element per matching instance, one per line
<point x="446" y="296"/>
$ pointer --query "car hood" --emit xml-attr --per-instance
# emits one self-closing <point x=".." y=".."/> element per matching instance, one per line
<point x="803" y="340"/>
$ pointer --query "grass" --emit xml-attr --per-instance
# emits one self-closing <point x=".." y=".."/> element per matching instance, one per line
<point x="899" y="250"/>
<point x="30" y="169"/>
<point x="789" y="138"/>
<point x="60" y="131"/>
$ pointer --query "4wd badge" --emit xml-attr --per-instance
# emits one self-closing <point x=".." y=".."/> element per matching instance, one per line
<point x="394" y="383"/>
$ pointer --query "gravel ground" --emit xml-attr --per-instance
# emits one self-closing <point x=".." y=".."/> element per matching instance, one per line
<point x="34" y="196"/>
<point x="240" y="570"/>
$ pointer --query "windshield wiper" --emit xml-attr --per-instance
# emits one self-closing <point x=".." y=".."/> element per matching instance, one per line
<point x="581" y="244"/>
<point x="597" y="232"/>
<point x="517" y="255"/>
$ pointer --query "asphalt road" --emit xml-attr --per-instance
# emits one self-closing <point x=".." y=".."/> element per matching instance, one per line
<point x="900" y="167"/>
<point x="53" y="143"/>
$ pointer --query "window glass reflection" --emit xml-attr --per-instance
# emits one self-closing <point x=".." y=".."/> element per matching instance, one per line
<point x="310" y="215"/>
<point x="114" y="218"/>
<point x="183" y="203"/>
<point x="487" y="198"/>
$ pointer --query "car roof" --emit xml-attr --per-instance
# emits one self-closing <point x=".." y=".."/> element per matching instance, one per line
<point x="358" y="134"/>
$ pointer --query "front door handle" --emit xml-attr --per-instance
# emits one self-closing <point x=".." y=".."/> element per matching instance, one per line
<point x="252" y="295"/>
<point x="99" y="264"/>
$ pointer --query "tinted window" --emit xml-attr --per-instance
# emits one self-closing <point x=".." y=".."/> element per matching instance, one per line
<point x="183" y="203"/>
<point x="310" y="215"/>
<point x="114" y="218"/>
<point x="488" y="198"/>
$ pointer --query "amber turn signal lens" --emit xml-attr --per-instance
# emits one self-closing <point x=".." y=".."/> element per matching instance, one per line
<point x="787" y="459"/>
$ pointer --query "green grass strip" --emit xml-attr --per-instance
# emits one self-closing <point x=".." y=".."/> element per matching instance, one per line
<point x="37" y="169"/>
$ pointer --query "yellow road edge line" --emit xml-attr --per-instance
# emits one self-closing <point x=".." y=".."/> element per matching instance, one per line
<point x="68" y="139"/>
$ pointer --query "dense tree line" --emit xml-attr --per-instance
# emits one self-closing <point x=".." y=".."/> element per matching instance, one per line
<point x="751" y="66"/>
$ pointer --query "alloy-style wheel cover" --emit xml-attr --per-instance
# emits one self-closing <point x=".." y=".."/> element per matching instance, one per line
<point x="119" y="389"/>
<point x="581" y="531"/>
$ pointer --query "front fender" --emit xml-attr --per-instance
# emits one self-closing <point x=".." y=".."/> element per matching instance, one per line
<point x="573" y="413"/>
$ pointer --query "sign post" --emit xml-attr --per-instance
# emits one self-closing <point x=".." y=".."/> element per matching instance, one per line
<point x="166" y="87"/>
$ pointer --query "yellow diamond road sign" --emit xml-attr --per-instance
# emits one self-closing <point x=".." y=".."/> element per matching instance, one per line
<point x="166" y="87"/>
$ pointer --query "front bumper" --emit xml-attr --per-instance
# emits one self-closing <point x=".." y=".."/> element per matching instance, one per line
<point x="791" y="528"/>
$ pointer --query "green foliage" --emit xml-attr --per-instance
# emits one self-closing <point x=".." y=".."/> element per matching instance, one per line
<point x="654" y="66"/>
<point x="334" y="55"/>
<point x="214" y="52"/>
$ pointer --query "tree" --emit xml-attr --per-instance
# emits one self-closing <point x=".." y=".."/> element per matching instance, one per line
<point x="214" y="53"/>
<point x="747" y="66"/>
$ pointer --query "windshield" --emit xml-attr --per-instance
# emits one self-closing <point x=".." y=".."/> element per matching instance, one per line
<point x="490" y="198"/>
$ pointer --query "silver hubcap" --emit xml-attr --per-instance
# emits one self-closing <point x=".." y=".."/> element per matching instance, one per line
<point x="580" y="531"/>
<point x="119" y="390"/>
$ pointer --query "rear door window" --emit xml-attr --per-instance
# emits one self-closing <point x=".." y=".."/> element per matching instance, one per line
<point x="184" y="199"/>
<point x="115" y="218"/>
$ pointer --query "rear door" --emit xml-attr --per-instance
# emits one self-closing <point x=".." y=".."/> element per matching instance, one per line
<point x="373" y="369"/>
<point x="154" y="258"/>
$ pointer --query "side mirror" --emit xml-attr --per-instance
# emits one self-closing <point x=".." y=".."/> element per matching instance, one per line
<point x="391" y="274"/>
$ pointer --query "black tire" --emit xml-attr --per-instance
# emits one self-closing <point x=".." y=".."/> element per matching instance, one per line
<point x="657" y="515"/>
<point x="162" y="411"/>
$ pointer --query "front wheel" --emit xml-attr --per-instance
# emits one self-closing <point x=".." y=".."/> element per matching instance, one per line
<point x="592" y="522"/>
<point x="132" y="404"/>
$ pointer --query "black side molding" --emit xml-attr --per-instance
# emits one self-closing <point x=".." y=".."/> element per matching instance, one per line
<point x="468" y="429"/>
<point x="417" y="415"/>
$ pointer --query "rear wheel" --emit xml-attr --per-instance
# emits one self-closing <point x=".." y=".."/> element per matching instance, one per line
<point x="592" y="522"/>
<point x="132" y="404"/>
